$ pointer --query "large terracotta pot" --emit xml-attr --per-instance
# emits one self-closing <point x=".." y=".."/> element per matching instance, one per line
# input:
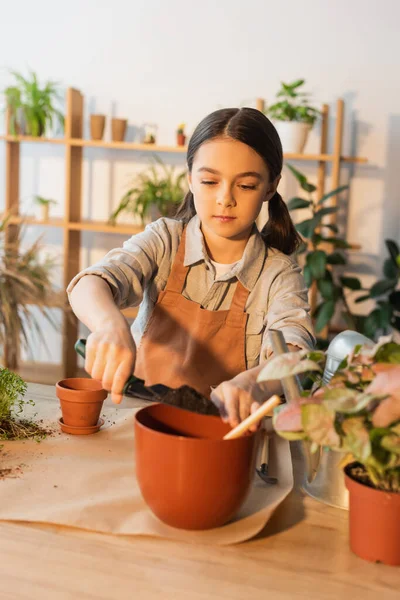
<point x="374" y="521"/>
<point x="81" y="401"/>
<point x="189" y="476"/>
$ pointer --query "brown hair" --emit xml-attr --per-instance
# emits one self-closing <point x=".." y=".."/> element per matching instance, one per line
<point x="253" y="128"/>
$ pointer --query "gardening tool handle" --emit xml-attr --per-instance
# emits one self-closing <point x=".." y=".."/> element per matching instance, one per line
<point x="80" y="348"/>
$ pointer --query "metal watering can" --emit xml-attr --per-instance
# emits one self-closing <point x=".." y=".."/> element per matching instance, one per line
<point x="324" y="479"/>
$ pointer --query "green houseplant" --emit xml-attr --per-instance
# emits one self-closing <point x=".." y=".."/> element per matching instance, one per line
<point x="154" y="191"/>
<point x="386" y="294"/>
<point x="293" y="115"/>
<point x="356" y="413"/>
<point x="25" y="280"/>
<point x="323" y="253"/>
<point x="44" y="204"/>
<point x="13" y="425"/>
<point x="32" y="107"/>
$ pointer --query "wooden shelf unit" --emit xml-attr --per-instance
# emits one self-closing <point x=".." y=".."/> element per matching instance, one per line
<point x="72" y="224"/>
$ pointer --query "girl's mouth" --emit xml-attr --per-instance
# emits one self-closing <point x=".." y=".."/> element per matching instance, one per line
<point x="223" y="219"/>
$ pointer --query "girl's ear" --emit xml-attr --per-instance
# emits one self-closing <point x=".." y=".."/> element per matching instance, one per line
<point x="272" y="189"/>
<point x="189" y="180"/>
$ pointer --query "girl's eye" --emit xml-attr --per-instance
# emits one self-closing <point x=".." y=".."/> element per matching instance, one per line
<point x="248" y="187"/>
<point x="209" y="182"/>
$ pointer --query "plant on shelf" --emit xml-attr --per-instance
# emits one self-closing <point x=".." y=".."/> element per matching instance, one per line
<point x="32" y="108"/>
<point x="25" y="280"/>
<point x="356" y="413"/>
<point x="180" y="135"/>
<point x="319" y="267"/>
<point x="386" y="294"/>
<point x="154" y="191"/>
<point x="293" y="115"/>
<point x="13" y="424"/>
<point x="44" y="204"/>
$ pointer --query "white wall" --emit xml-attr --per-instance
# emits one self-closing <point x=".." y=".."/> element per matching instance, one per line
<point x="167" y="62"/>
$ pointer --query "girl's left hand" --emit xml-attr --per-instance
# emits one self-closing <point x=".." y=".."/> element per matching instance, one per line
<point x="238" y="398"/>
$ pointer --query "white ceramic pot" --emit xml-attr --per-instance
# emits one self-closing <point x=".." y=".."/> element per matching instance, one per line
<point x="293" y="135"/>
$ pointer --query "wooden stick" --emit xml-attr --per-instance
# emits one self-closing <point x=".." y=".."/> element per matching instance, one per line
<point x="265" y="409"/>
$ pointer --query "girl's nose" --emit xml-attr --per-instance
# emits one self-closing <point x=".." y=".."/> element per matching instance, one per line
<point x="225" y="198"/>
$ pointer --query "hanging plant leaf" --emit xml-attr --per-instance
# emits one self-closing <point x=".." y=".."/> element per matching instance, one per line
<point x="302" y="179"/>
<point x="325" y="287"/>
<point x="326" y="211"/>
<point x="317" y="262"/>
<point x="334" y="192"/>
<point x="336" y="258"/>
<point x="351" y="282"/>
<point x="390" y="269"/>
<point x="381" y="287"/>
<point x="362" y="299"/>
<point x="296" y="203"/>
<point x="393" y="249"/>
<point x="308" y="278"/>
<point x="394" y="299"/>
<point x="306" y="228"/>
<point x="325" y="314"/>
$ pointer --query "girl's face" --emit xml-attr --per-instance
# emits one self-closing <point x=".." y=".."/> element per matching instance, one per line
<point x="229" y="182"/>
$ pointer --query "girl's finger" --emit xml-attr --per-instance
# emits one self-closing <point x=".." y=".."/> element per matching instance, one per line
<point x="99" y="362"/>
<point x="121" y="375"/>
<point x="109" y="373"/>
<point x="231" y="401"/>
<point x="90" y="356"/>
<point x="244" y="404"/>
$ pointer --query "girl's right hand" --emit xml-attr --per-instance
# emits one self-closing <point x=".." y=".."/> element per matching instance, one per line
<point x="111" y="357"/>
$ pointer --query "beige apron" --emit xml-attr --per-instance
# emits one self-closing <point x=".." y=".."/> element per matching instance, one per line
<point x="185" y="344"/>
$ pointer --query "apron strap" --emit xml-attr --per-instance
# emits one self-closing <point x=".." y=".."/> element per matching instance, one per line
<point x="177" y="276"/>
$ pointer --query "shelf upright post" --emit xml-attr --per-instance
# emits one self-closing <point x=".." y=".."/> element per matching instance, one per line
<point x="72" y="213"/>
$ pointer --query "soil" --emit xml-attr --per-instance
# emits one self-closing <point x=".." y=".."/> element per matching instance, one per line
<point x="22" y="429"/>
<point x="189" y="399"/>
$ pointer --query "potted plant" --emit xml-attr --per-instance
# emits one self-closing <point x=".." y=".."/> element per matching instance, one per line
<point x="323" y="254"/>
<point x="356" y="413"/>
<point x="180" y="135"/>
<point x="150" y="133"/>
<point x="154" y="193"/>
<point x="293" y="116"/>
<point x="13" y="425"/>
<point x="44" y="204"/>
<point x="25" y="280"/>
<point x="385" y="316"/>
<point x="32" y="107"/>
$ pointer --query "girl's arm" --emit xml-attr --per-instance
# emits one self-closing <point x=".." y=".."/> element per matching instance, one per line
<point x="98" y="293"/>
<point x="110" y="349"/>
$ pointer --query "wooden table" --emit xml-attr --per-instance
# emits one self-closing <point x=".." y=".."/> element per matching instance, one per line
<point x="302" y="553"/>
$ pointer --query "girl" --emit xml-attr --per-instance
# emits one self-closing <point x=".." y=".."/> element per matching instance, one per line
<point x="209" y="284"/>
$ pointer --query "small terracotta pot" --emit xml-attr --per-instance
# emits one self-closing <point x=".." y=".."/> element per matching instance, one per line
<point x="180" y="139"/>
<point x="97" y="124"/>
<point x="188" y="475"/>
<point x="374" y="521"/>
<point x="118" y="129"/>
<point x="81" y="401"/>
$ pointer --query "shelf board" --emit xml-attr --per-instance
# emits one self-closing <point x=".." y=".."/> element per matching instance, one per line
<point x="157" y="148"/>
<point x="126" y="146"/>
<point x="104" y="227"/>
<point x="31" y="139"/>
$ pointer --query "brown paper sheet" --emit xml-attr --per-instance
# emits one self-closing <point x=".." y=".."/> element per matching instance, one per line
<point x="89" y="481"/>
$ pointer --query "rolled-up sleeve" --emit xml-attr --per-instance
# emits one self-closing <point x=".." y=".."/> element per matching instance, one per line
<point x="288" y="309"/>
<point x="128" y="270"/>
